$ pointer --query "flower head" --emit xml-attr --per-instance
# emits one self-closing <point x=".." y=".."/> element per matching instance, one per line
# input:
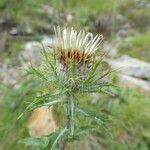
<point x="74" y="45"/>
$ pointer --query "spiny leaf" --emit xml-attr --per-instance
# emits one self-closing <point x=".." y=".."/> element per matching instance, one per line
<point x="50" y="103"/>
<point x="84" y="130"/>
<point x="55" y="137"/>
<point x="105" y="74"/>
<point x="36" y="72"/>
<point x="49" y="62"/>
<point x="36" y="104"/>
<point x="37" y="142"/>
<point x="95" y="118"/>
<point x="89" y="114"/>
<point x="47" y="95"/>
<point x="92" y="72"/>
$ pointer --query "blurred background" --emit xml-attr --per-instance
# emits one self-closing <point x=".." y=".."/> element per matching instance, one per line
<point x="125" y="24"/>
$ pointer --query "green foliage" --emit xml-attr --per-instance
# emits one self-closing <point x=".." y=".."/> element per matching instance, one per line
<point x="37" y="142"/>
<point x="128" y="119"/>
<point x="12" y="104"/>
<point x="132" y="114"/>
<point x="129" y="110"/>
<point x="63" y="87"/>
<point x="136" y="46"/>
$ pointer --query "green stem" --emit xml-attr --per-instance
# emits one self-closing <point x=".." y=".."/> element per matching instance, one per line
<point x="71" y="105"/>
<point x="70" y="117"/>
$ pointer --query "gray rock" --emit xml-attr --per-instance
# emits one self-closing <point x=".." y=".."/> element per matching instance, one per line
<point x="110" y="49"/>
<point x="3" y="40"/>
<point x="14" y="31"/>
<point x="69" y="18"/>
<point x="120" y="18"/>
<point x="32" y="54"/>
<point x="6" y="20"/>
<point x="132" y="67"/>
<point x="122" y="33"/>
<point x="132" y="82"/>
<point x="47" y="41"/>
<point x="126" y="26"/>
<point x="103" y="23"/>
<point x="10" y="75"/>
<point x="32" y="51"/>
<point x="27" y="28"/>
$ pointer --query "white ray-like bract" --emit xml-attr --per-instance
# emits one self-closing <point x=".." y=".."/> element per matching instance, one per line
<point x="77" y="45"/>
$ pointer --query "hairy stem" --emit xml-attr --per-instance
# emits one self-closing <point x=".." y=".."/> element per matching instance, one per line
<point x="70" y="119"/>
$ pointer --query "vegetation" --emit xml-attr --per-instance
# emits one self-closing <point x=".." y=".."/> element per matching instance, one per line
<point x="136" y="46"/>
<point x="126" y="114"/>
<point x="128" y="129"/>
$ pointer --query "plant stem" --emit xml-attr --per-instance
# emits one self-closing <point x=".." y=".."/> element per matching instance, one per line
<point x="70" y="119"/>
<point x="63" y="145"/>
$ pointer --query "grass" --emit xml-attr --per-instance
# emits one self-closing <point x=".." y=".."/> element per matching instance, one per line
<point x="14" y="47"/>
<point x="138" y="13"/>
<point x="20" y="11"/>
<point x="12" y="129"/>
<point x="130" y="109"/>
<point x="137" y="46"/>
<point x="133" y="114"/>
<point x="129" y="114"/>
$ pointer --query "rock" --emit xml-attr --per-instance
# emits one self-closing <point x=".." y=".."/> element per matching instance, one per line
<point x="14" y="31"/>
<point x="110" y="49"/>
<point x="126" y="26"/>
<point x="47" y="41"/>
<point x="120" y="20"/>
<point x="23" y="29"/>
<point x="122" y="33"/>
<point x="27" y="28"/>
<point x="41" y="122"/>
<point x="103" y="23"/>
<point x="132" y="82"/>
<point x="132" y="67"/>
<point x="69" y="18"/>
<point x="6" y="20"/>
<point x="32" y="54"/>
<point x="3" y="41"/>
<point x="9" y="75"/>
<point x="32" y="51"/>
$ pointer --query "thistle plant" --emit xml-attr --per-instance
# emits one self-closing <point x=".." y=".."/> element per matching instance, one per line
<point x="70" y="68"/>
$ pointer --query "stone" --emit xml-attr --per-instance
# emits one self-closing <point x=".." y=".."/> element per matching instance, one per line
<point x="28" y="29"/>
<point x="110" y="49"/>
<point x="31" y="54"/>
<point x="14" y="31"/>
<point x="41" y="122"/>
<point x="126" y="26"/>
<point x="103" y="23"/>
<point x="69" y="18"/>
<point x="122" y="33"/>
<point x="3" y="41"/>
<point x="131" y="66"/>
<point x="47" y="41"/>
<point x="9" y="75"/>
<point x="6" y="20"/>
<point x="131" y="82"/>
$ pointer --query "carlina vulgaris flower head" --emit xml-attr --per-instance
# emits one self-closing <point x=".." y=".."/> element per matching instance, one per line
<point x="63" y="87"/>
<point x="77" y="46"/>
